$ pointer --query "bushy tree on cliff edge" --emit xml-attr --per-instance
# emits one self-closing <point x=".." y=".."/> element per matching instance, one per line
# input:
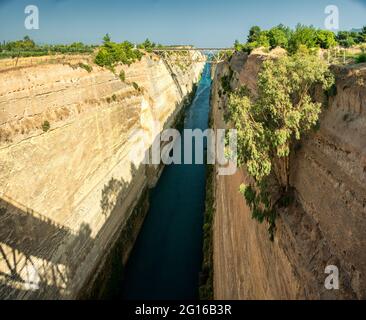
<point x="111" y="53"/>
<point x="269" y="125"/>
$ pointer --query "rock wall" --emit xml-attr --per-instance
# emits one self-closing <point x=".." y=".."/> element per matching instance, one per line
<point x="71" y="146"/>
<point x="324" y="226"/>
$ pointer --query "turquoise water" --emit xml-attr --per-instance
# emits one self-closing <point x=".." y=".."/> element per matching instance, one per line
<point x="166" y="260"/>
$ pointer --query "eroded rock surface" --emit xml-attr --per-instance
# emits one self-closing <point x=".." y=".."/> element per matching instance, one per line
<point x="71" y="145"/>
<point x="326" y="224"/>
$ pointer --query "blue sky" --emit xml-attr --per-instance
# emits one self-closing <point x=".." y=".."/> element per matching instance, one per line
<point x="211" y="23"/>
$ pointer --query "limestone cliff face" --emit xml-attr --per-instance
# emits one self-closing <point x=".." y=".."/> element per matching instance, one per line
<point x="71" y="145"/>
<point x="326" y="224"/>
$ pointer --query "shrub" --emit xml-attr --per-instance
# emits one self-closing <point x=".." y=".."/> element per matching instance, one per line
<point x="86" y="67"/>
<point x="361" y="58"/>
<point x="46" y="126"/>
<point x="122" y="76"/>
<point x="225" y="82"/>
<point x="135" y="85"/>
<point x="249" y="47"/>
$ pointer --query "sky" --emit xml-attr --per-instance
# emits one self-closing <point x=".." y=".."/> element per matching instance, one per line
<point x="203" y="23"/>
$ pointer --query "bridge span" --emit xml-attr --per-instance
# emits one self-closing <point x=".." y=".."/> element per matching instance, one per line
<point x="208" y="55"/>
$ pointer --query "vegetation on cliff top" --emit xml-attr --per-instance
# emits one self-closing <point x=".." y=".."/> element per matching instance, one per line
<point x="292" y="40"/>
<point x="28" y="48"/>
<point x="148" y="46"/>
<point x="112" y="53"/>
<point x="270" y="124"/>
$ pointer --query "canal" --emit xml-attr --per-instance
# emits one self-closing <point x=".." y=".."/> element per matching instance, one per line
<point x="166" y="260"/>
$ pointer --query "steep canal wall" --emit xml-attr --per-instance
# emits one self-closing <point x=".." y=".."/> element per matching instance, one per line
<point x="71" y="179"/>
<point x="325" y="225"/>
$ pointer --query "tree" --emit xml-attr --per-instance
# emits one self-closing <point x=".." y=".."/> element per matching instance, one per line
<point x="107" y="38"/>
<point x="254" y="33"/>
<point x="259" y="39"/>
<point x="263" y="40"/>
<point x="325" y="39"/>
<point x="112" y="53"/>
<point x="303" y="35"/>
<point x="279" y="36"/>
<point x="147" y="45"/>
<point x="237" y="45"/>
<point x="363" y="34"/>
<point x="268" y="126"/>
<point x="346" y="39"/>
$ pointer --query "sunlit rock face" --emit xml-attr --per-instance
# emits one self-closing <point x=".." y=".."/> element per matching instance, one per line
<point x="71" y="146"/>
<point x="326" y="224"/>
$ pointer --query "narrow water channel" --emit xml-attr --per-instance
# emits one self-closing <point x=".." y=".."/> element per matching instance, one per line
<point x="166" y="260"/>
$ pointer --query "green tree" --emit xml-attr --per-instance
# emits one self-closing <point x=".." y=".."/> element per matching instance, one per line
<point x="303" y="35"/>
<point x="112" y="53"/>
<point x="263" y="40"/>
<point x="107" y="38"/>
<point x="279" y="36"/>
<point x="237" y="45"/>
<point x="254" y="33"/>
<point x="363" y="34"/>
<point x="268" y="126"/>
<point x="347" y="39"/>
<point x="147" y="45"/>
<point x="325" y="39"/>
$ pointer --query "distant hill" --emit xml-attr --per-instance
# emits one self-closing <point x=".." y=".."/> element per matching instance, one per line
<point x="356" y="30"/>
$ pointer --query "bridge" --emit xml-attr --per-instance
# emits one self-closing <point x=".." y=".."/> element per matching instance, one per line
<point x="181" y="54"/>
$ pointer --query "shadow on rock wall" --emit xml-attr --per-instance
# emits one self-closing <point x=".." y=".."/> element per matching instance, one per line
<point x="30" y="266"/>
